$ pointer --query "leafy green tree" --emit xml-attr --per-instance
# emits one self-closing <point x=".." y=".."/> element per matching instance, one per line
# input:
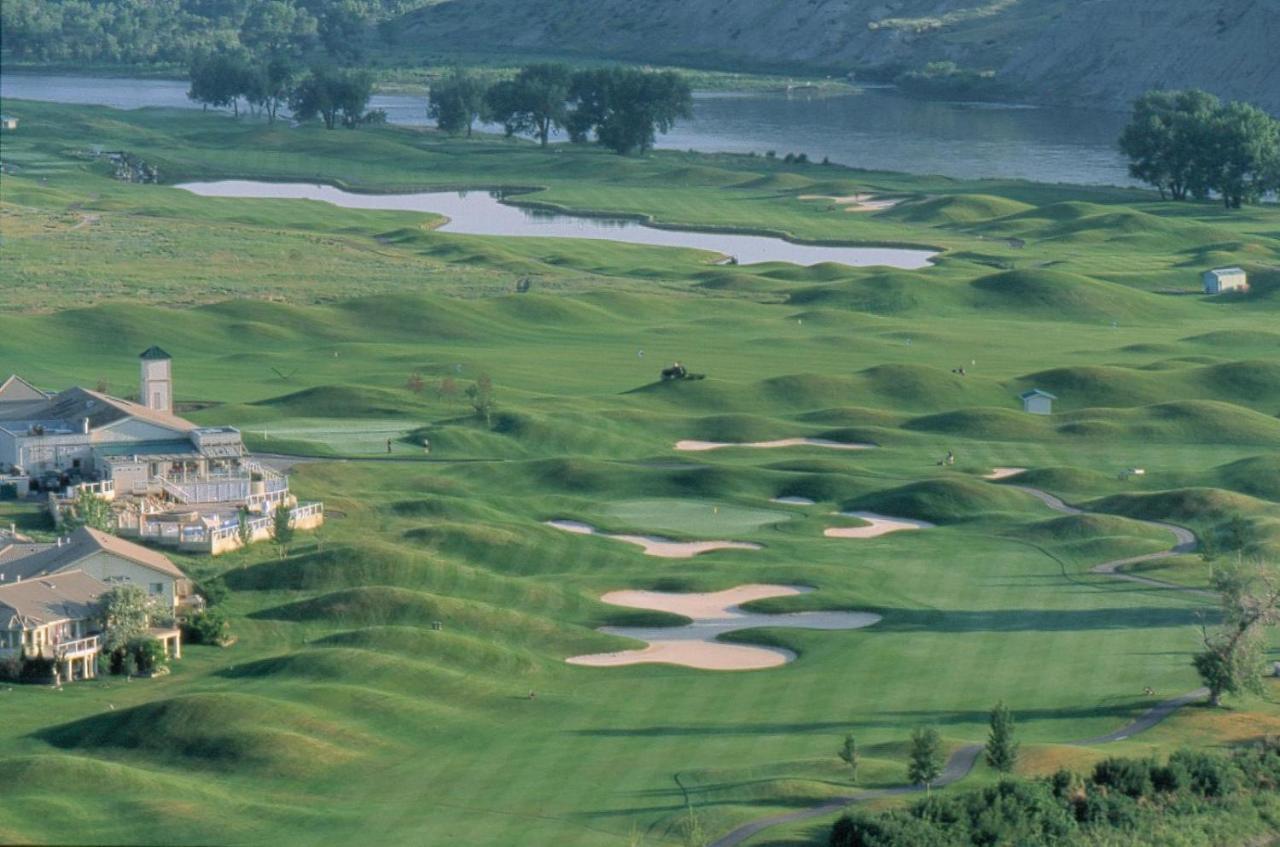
<point x="1232" y="659"/>
<point x="480" y="393"/>
<point x="1002" y="750"/>
<point x="1164" y="137"/>
<point x="220" y="79"/>
<point x="534" y="103"/>
<point x="126" y="615"/>
<point x="336" y="96"/>
<point x="149" y="653"/>
<point x="625" y="108"/>
<point x="244" y="533"/>
<point x="848" y="754"/>
<point x="93" y="511"/>
<point x="457" y="102"/>
<point x="282" y="528"/>
<point x="1244" y="154"/>
<point x="268" y="84"/>
<point x="275" y="27"/>
<point x="924" y="756"/>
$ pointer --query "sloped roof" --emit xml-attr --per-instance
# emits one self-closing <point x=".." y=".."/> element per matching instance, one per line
<point x="1224" y="271"/>
<point x="1036" y="392"/>
<point x="85" y="542"/>
<point x="73" y="595"/>
<point x="15" y="389"/>
<point x="75" y="404"/>
<point x="154" y="352"/>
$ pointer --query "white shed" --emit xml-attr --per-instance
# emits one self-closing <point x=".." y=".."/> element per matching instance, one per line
<point x="1037" y="402"/>
<point x="1224" y="279"/>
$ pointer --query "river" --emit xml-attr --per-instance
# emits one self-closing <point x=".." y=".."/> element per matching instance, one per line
<point x="877" y="129"/>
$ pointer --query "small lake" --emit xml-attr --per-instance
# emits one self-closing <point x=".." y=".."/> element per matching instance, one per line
<point x="872" y="128"/>
<point x="486" y="213"/>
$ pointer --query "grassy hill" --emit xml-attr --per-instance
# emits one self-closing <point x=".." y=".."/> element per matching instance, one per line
<point x="342" y="714"/>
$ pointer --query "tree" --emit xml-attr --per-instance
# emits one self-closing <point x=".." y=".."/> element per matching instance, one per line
<point x="447" y="389"/>
<point x="334" y="95"/>
<point x="1232" y="659"/>
<point x="126" y="615"/>
<point x="244" y="533"/>
<point x="480" y="393"/>
<point x="1188" y="143"/>
<point x="924" y="757"/>
<point x="148" y="652"/>
<point x="1244" y="154"/>
<point x="269" y="84"/>
<point x="219" y="79"/>
<point x="1002" y="750"/>
<point x="274" y="27"/>
<point x="457" y="102"/>
<point x="533" y="103"/>
<point x="626" y="108"/>
<point x="282" y="528"/>
<point x="94" y="511"/>
<point x="848" y="754"/>
<point x="415" y="383"/>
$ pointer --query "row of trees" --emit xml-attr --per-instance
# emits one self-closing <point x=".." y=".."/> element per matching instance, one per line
<point x="622" y="108"/>
<point x="1191" y="144"/>
<point x="268" y="81"/>
<point x="176" y="31"/>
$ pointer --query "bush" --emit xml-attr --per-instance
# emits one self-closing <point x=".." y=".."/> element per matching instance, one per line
<point x="8" y="491"/>
<point x="213" y="591"/>
<point x="1131" y="777"/>
<point x="148" y="653"/>
<point x="11" y="668"/>
<point x="37" y="670"/>
<point x="1206" y="775"/>
<point x="208" y="627"/>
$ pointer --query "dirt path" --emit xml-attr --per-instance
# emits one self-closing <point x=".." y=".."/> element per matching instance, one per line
<point x="962" y="760"/>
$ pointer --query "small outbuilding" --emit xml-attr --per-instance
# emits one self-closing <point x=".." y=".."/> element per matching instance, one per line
<point x="8" y="122"/>
<point x="1037" y="402"/>
<point x="1225" y="279"/>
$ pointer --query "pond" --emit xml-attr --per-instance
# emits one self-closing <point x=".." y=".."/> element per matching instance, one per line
<point x="874" y="128"/>
<point x="488" y="213"/>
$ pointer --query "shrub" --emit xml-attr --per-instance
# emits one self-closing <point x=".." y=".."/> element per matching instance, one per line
<point x="35" y="669"/>
<point x="1206" y="775"/>
<point x="148" y="654"/>
<point x="207" y="627"/>
<point x="1131" y="777"/>
<point x="8" y="491"/>
<point x="11" y="668"/>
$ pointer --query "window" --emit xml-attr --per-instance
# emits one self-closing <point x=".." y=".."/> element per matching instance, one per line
<point x="157" y="588"/>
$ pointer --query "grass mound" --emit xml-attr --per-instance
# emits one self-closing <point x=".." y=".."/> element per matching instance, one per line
<point x="1195" y="505"/>
<point x="957" y="209"/>
<point x="1065" y="481"/>
<point x="224" y="731"/>
<point x="338" y="401"/>
<point x="446" y="646"/>
<point x="1257" y="476"/>
<point x="999" y="424"/>
<point x="943" y="500"/>
<point x="1059" y="295"/>
<point x="1083" y="527"/>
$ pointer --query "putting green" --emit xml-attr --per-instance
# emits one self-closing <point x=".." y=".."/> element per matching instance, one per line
<point x="702" y="518"/>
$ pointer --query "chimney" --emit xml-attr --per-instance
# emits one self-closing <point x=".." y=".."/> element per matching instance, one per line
<point x="84" y="425"/>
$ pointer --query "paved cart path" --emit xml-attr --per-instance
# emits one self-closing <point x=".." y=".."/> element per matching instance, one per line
<point x="963" y="760"/>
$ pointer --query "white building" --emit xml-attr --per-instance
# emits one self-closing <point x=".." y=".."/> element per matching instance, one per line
<point x="1224" y="279"/>
<point x="170" y="480"/>
<point x="1037" y="402"/>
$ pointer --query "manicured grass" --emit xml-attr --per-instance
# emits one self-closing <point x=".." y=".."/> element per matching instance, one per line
<point x="341" y="715"/>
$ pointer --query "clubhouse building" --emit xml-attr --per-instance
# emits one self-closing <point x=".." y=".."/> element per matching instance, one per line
<point x="166" y="479"/>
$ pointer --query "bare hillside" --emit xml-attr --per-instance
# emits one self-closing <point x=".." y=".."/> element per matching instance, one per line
<point x="1105" y="51"/>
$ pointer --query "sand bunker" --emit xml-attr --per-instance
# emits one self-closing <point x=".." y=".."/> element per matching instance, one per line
<point x="655" y="545"/>
<point x="878" y="525"/>
<point x="1003" y="473"/>
<point x="693" y="445"/>
<point x="792" y="501"/>
<point x="695" y="645"/>
<point x="856" y="202"/>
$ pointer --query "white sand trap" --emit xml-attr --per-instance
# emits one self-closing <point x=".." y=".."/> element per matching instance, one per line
<point x="695" y="645"/>
<point x="1003" y="473"/>
<point x="692" y="445"/>
<point x="879" y="525"/>
<point x="856" y="202"/>
<point x="792" y="501"/>
<point x="655" y="545"/>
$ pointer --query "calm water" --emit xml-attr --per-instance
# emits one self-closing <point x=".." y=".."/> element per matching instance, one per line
<point x="876" y="129"/>
<point x="483" y="213"/>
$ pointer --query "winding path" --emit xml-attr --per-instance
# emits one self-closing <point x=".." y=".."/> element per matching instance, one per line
<point x="963" y="760"/>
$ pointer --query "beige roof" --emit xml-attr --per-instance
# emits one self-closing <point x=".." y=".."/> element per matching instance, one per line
<point x="15" y="389"/>
<point x="75" y="404"/>
<point x="84" y="542"/>
<point x="32" y="603"/>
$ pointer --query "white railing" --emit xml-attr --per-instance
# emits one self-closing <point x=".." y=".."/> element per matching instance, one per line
<point x="176" y="492"/>
<point x="77" y="647"/>
<point x="306" y="510"/>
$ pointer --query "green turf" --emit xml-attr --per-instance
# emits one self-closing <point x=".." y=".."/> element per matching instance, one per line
<point x="341" y="715"/>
